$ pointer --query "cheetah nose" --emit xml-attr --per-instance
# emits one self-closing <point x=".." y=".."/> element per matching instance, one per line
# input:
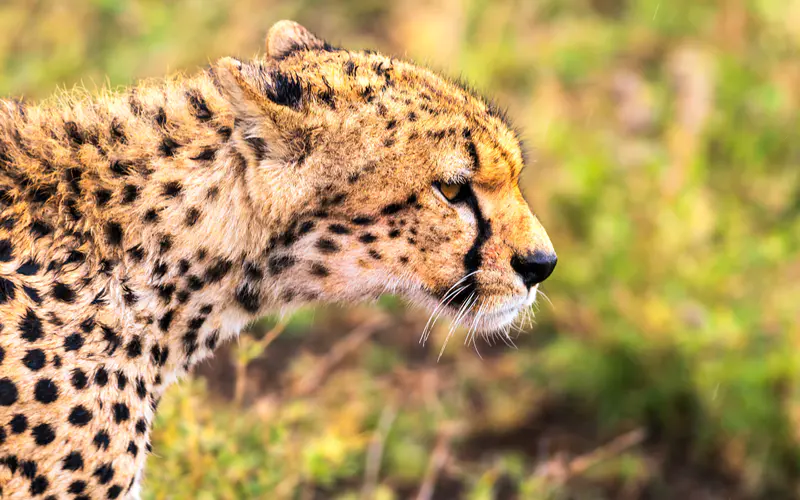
<point x="534" y="267"/>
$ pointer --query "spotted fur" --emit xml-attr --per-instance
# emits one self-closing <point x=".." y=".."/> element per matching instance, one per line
<point x="140" y="228"/>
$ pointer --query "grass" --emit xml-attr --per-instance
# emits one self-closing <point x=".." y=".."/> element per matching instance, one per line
<point x="663" y="161"/>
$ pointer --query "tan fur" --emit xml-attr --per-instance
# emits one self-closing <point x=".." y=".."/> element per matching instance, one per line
<point x="142" y="227"/>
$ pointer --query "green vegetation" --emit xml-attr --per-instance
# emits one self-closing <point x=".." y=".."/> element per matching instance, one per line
<point x="665" y="163"/>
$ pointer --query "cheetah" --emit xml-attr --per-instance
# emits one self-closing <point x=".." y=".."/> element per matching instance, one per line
<point x="142" y="227"/>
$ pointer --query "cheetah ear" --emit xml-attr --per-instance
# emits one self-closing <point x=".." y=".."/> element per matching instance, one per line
<point x="286" y="37"/>
<point x="257" y="91"/>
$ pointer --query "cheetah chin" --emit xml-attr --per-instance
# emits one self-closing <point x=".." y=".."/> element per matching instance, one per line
<point x="140" y="228"/>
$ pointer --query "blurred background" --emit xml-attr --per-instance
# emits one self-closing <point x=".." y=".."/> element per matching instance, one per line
<point x="664" y="146"/>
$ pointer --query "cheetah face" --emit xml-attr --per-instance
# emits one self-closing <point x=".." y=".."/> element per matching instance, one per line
<point x="397" y="180"/>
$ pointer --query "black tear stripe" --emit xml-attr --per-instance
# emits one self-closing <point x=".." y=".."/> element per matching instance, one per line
<point x="473" y="258"/>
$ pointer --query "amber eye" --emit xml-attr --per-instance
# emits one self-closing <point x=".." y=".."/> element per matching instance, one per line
<point x="452" y="191"/>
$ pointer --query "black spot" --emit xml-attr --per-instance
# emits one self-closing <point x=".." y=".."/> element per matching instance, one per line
<point x="165" y="292"/>
<point x="392" y="208"/>
<point x="18" y="423"/>
<point x="32" y="293"/>
<point x="43" y="434"/>
<point x="136" y="253"/>
<point x="117" y="132"/>
<point x="102" y="440"/>
<point x="111" y="338"/>
<point x="7" y="290"/>
<point x="218" y="270"/>
<point x="473" y="155"/>
<point x="130" y="193"/>
<point x="339" y="229"/>
<point x="74" y="133"/>
<point x="87" y="325"/>
<point x="160" y="270"/>
<point x="278" y="264"/>
<point x="374" y="254"/>
<point x="133" y="449"/>
<point x="199" y="107"/>
<point x="6" y="251"/>
<point x="367" y="238"/>
<point x="102" y="197"/>
<point x="39" y="485"/>
<point x="40" y="229"/>
<point x="225" y="133"/>
<point x="122" y="380"/>
<point x="128" y="295"/>
<point x="121" y="412"/>
<point x="171" y="189"/>
<point x="113" y="233"/>
<point x="104" y="473"/>
<point x="42" y="193"/>
<point x="319" y="270"/>
<point x="190" y="343"/>
<point x="285" y="89"/>
<point x="195" y="283"/>
<point x="160" y="117"/>
<point x="76" y="487"/>
<point x="134" y="347"/>
<point x="248" y="298"/>
<point x="10" y="461"/>
<point x="363" y="220"/>
<point x="63" y="292"/>
<point x="349" y="68"/>
<point x="75" y="257"/>
<point x="151" y="216"/>
<point x="326" y="245"/>
<point x="192" y="216"/>
<point x="28" y="469"/>
<point x="72" y="209"/>
<point x="45" y="391"/>
<point x="258" y="146"/>
<point x="73" y="461"/>
<point x="207" y="154"/>
<point x="101" y="377"/>
<point x="141" y="426"/>
<point x="29" y="268"/>
<point x="212" y="340"/>
<point x="78" y="379"/>
<point x="166" y="320"/>
<point x="80" y="416"/>
<point x="114" y="492"/>
<point x="73" y="342"/>
<point x="168" y="147"/>
<point x="165" y="244"/>
<point x="34" y="359"/>
<point x="196" y="322"/>
<point x="141" y="388"/>
<point x="31" y="326"/>
<point x="73" y="178"/>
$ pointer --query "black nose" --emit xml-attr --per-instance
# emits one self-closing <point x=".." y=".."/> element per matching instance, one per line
<point x="534" y="267"/>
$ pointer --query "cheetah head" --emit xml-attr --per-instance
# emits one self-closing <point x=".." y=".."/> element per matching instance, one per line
<point x="386" y="178"/>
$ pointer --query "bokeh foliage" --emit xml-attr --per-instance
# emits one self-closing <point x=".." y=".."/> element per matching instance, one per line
<point x="664" y="159"/>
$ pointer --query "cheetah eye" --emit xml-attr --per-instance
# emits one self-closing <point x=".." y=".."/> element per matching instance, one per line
<point x="452" y="191"/>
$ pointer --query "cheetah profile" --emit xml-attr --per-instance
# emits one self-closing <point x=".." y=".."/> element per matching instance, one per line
<point x="141" y="228"/>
